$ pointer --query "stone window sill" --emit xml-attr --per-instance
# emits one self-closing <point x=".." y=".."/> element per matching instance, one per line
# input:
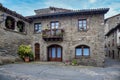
<point x="23" y="33"/>
<point x="83" y="30"/>
<point x="79" y="57"/>
<point x="37" y="32"/>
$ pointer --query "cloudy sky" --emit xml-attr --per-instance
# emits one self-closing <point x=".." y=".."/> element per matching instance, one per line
<point x="27" y="7"/>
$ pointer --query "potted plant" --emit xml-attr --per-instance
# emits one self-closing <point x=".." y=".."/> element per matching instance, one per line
<point x="25" y="52"/>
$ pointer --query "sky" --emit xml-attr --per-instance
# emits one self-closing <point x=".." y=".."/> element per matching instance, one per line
<point x="27" y="7"/>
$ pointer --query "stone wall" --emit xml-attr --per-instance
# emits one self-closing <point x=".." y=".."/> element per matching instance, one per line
<point x="111" y="22"/>
<point x="112" y="50"/>
<point x="11" y="39"/>
<point x="93" y="37"/>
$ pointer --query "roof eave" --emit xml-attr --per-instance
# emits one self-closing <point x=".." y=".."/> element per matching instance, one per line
<point x="82" y="12"/>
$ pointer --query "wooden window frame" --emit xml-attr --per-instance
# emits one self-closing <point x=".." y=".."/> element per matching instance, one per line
<point x="109" y="43"/>
<point x="34" y="27"/>
<point x="112" y="42"/>
<point x="55" y="24"/>
<point x="82" y="25"/>
<point x="82" y="47"/>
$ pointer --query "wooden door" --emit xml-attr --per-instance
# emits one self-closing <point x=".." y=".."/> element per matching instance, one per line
<point x="55" y="53"/>
<point x="113" y="56"/>
<point x="37" y="51"/>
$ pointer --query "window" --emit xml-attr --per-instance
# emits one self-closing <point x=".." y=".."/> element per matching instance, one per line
<point x="113" y="42"/>
<point x="54" y="25"/>
<point x="21" y="26"/>
<point x="10" y="23"/>
<point x="118" y="53"/>
<point x="82" y="50"/>
<point x="113" y="56"/>
<point x="37" y="27"/>
<point x="82" y="24"/>
<point x="113" y="34"/>
<point x="109" y="54"/>
<point x="109" y="44"/>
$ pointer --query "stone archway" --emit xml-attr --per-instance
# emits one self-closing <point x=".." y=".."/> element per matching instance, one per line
<point x="10" y="23"/>
<point x="54" y="53"/>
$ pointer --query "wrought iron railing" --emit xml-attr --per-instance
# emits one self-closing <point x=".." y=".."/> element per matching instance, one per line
<point x="52" y="33"/>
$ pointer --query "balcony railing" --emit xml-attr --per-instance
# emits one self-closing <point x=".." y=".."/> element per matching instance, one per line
<point x="53" y="34"/>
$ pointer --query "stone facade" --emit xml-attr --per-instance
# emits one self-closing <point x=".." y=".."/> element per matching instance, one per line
<point x="93" y="36"/>
<point x="113" y="37"/>
<point x="11" y="39"/>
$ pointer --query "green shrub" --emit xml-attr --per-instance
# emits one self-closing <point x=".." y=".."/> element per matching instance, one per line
<point x="25" y="51"/>
<point x="31" y="56"/>
<point x="74" y="62"/>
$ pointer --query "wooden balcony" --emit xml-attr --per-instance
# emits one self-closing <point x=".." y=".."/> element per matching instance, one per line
<point x="53" y="34"/>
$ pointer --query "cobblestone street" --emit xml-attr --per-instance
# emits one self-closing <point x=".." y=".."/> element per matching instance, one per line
<point x="57" y="71"/>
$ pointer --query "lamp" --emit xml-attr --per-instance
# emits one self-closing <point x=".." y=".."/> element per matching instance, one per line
<point x="3" y="18"/>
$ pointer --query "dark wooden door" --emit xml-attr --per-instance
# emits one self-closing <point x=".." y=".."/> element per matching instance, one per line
<point x="55" y="53"/>
<point x="37" y="51"/>
<point x="113" y="56"/>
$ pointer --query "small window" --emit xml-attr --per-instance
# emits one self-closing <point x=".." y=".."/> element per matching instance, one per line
<point x="82" y="50"/>
<point x="113" y="34"/>
<point x="109" y="44"/>
<point x="21" y="26"/>
<point x="10" y="23"/>
<point x="82" y="24"/>
<point x="112" y="42"/>
<point x="109" y="54"/>
<point x="54" y="25"/>
<point x="37" y="27"/>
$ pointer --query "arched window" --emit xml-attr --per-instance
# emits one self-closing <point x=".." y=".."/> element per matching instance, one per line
<point x="82" y="50"/>
<point x="21" y="26"/>
<point x="10" y="23"/>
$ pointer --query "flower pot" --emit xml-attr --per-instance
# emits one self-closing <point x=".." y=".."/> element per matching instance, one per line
<point x="26" y="59"/>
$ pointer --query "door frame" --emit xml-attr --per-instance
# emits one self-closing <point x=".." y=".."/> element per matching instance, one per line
<point x="37" y="48"/>
<point x="56" y="46"/>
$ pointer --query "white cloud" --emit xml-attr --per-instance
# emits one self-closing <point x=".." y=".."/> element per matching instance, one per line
<point x="27" y="7"/>
<point x="2" y="1"/>
<point x="92" y="1"/>
<point x="114" y="9"/>
<point x="59" y="3"/>
<point x="111" y="13"/>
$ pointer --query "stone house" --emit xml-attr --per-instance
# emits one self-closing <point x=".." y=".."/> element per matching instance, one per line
<point x="112" y="35"/>
<point x="11" y="35"/>
<point x="57" y="34"/>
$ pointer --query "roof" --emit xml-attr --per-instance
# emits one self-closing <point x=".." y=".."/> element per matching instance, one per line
<point x="73" y="12"/>
<point x="53" y="8"/>
<point x="13" y="13"/>
<point x="65" y="12"/>
<point x="113" y="29"/>
<point x="112" y="16"/>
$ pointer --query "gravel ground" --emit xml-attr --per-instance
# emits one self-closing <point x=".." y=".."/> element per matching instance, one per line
<point x="38" y="71"/>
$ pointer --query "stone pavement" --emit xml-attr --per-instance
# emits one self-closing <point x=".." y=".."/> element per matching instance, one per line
<point x="58" y="71"/>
